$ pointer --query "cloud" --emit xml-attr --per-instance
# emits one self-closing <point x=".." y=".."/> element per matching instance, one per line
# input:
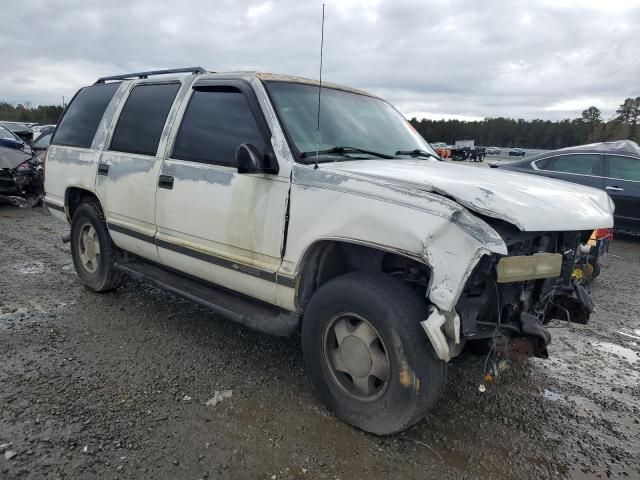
<point x="442" y="59"/>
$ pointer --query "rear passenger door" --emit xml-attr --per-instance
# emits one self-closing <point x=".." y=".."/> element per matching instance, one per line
<point x="129" y="166"/>
<point x="582" y="168"/>
<point x="623" y="186"/>
<point x="213" y="222"/>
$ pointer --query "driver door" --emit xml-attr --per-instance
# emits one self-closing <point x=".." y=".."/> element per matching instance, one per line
<point x="213" y="222"/>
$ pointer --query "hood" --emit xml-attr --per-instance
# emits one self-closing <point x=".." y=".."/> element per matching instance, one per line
<point x="10" y="157"/>
<point x="529" y="202"/>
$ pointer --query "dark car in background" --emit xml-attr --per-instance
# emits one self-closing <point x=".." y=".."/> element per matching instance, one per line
<point x="517" y="152"/>
<point x="610" y="166"/>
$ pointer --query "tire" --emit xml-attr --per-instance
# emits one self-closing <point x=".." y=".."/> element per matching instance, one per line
<point x="415" y="377"/>
<point x="596" y="269"/>
<point x="99" y="275"/>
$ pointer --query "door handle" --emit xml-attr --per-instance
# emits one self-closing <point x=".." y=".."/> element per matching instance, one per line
<point x="165" y="181"/>
<point x="614" y="189"/>
<point x="103" y="169"/>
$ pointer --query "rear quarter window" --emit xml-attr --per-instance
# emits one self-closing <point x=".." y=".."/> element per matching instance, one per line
<point x="81" y="119"/>
<point x="143" y="117"/>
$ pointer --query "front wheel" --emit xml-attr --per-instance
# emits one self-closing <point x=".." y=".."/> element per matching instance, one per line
<point x="366" y="354"/>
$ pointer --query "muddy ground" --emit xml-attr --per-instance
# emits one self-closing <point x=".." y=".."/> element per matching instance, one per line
<point x="115" y="385"/>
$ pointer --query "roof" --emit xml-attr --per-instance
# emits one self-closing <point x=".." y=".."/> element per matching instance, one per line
<point x="619" y="146"/>
<point x="276" y="77"/>
<point x="626" y="147"/>
<point x="265" y="76"/>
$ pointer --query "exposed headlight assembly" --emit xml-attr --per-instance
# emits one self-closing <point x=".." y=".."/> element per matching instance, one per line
<point x="530" y="267"/>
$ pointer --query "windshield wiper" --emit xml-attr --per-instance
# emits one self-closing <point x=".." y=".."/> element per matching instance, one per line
<point x="343" y="151"/>
<point x="417" y="153"/>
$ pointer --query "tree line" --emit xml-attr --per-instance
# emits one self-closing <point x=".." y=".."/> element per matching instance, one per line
<point x="543" y="134"/>
<point x="25" y="112"/>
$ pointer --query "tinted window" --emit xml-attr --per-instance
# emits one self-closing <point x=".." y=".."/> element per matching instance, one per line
<point x="580" y="164"/>
<point x="143" y="117"/>
<point x="82" y="117"/>
<point x="216" y="121"/>
<point x="625" y="168"/>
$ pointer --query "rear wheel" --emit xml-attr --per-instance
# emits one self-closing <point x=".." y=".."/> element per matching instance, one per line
<point x="92" y="250"/>
<point x="366" y="354"/>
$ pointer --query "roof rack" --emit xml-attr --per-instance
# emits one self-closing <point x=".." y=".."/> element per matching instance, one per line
<point x="130" y="76"/>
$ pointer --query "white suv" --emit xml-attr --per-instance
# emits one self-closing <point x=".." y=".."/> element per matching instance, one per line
<point x="343" y="225"/>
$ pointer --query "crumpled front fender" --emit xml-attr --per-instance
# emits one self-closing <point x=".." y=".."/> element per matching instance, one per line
<point x="452" y="255"/>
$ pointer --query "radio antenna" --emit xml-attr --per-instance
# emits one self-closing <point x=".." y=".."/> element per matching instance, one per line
<point x="319" y="89"/>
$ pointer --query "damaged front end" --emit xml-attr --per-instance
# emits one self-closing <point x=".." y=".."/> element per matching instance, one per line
<point x="22" y="179"/>
<point x="509" y="299"/>
<point x="20" y="167"/>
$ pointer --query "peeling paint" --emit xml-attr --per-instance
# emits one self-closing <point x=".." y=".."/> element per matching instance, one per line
<point x="122" y="166"/>
<point x="76" y="168"/>
<point x="199" y="173"/>
<point x="108" y="118"/>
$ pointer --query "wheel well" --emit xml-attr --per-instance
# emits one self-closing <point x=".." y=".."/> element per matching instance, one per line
<point x="74" y="196"/>
<point x="328" y="259"/>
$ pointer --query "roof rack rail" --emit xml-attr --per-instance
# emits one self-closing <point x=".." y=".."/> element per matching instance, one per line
<point x="130" y="76"/>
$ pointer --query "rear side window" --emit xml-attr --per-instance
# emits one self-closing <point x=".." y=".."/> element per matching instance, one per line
<point x="82" y="117"/>
<point x="580" y="164"/>
<point x="216" y="122"/>
<point x="143" y="117"/>
<point x="624" y="168"/>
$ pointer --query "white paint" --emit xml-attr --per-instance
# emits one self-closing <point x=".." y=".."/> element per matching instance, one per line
<point x="423" y="209"/>
<point x="362" y="212"/>
<point x="436" y="325"/>
<point x="530" y="202"/>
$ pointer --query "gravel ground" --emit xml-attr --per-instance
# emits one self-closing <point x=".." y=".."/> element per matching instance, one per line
<point x="115" y="386"/>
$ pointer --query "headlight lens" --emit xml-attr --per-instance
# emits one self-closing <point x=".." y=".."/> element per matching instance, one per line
<point x="531" y="267"/>
<point x="24" y="166"/>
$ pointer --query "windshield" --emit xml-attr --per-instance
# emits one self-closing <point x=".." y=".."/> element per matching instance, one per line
<point x="350" y="123"/>
<point x="8" y="134"/>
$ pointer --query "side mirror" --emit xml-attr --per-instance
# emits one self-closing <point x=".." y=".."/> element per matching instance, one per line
<point x="250" y="160"/>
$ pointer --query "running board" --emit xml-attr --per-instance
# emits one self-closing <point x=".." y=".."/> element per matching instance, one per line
<point x="239" y="308"/>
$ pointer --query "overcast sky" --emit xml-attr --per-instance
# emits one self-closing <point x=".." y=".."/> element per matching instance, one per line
<point x="462" y="59"/>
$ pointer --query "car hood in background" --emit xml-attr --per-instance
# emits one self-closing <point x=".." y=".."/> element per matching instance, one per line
<point x="529" y="202"/>
<point x="10" y="157"/>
